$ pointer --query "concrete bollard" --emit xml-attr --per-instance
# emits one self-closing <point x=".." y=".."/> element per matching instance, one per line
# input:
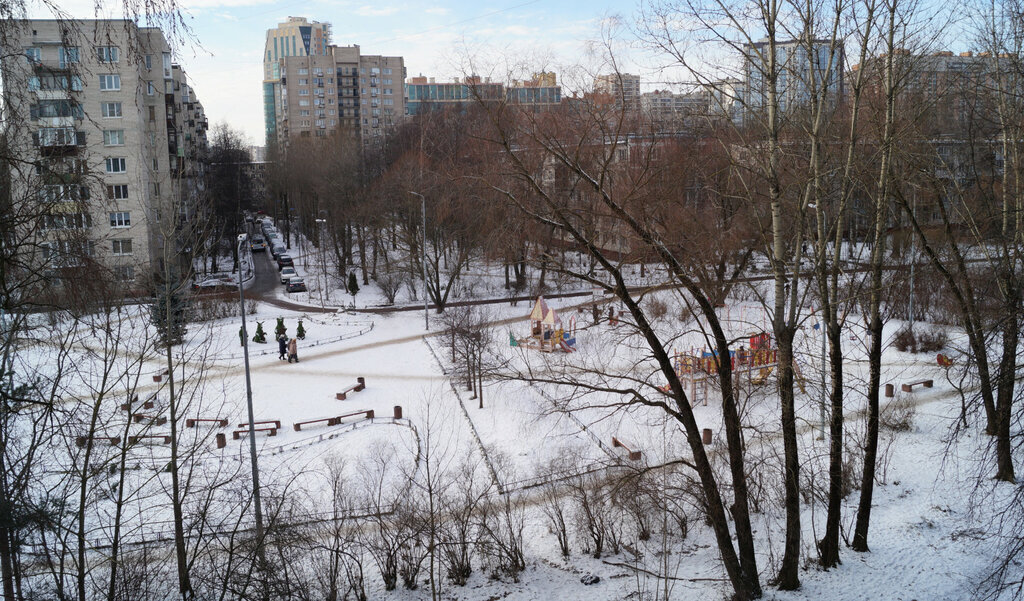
<point x="398" y="412"/>
<point x="707" y="438"/>
<point x="222" y="441"/>
<point x="890" y="391"/>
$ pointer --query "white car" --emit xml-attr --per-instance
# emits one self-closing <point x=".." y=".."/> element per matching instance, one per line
<point x="287" y="273"/>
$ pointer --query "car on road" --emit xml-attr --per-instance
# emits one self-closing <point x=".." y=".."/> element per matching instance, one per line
<point x="296" y="285"/>
<point x="277" y="250"/>
<point x="288" y="273"/>
<point x="284" y="260"/>
<point x="258" y="244"/>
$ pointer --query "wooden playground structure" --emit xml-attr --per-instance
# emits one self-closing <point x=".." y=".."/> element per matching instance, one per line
<point x="750" y="367"/>
<point x="547" y="333"/>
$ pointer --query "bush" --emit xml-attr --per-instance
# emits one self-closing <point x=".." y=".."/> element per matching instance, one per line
<point x="905" y="341"/>
<point x="927" y="341"/>
<point x="656" y="308"/>
<point x="898" y="415"/>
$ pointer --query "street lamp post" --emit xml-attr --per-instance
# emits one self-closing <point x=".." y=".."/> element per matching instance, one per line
<point x="252" y="425"/>
<point x="423" y="258"/>
<point x="322" y="227"/>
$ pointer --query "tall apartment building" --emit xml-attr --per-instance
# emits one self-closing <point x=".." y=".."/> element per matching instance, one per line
<point x="622" y="88"/>
<point x="802" y="67"/>
<point x="295" y="37"/>
<point x="113" y="131"/>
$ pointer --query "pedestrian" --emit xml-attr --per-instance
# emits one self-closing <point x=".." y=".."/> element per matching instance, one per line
<point x="282" y="346"/>
<point x="293" y="350"/>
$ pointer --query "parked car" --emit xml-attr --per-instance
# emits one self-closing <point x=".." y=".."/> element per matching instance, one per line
<point x="277" y="250"/>
<point x="296" y="285"/>
<point x="215" y="284"/>
<point x="258" y="244"/>
<point x="284" y="260"/>
<point x="287" y="273"/>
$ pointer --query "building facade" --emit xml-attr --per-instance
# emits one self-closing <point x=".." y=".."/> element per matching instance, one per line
<point x="295" y="37"/>
<point x="803" y="67"/>
<point x="540" y="92"/>
<point x="343" y="92"/>
<point x="114" y="134"/>
<point x="622" y="88"/>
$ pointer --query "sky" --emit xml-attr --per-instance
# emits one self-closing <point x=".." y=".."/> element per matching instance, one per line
<point x="224" y="58"/>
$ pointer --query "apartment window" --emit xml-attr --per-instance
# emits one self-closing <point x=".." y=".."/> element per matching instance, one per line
<point x="149" y="62"/>
<point x="168" y="86"/>
<point x="116" y="165"/>
<point x="68" y="221"/>
<point x="156" y="164"/>
<point x="304" y="113"/>
<point x="112" y="109"/>
<point x="150" y="90"/>
<point x="113" y="137"/>
<point x="68" y="56"/>
<point x="110" y="82"/>
<point x="122" y="248"/>
<point x="389" y="101"/>
<point x="388" y="91"/>
<point x="303" y="92"/>
<point x="34" y="55"/>
<point x="387" y="81"/>
<point x="118" y="192"/>
<point x="155" y="186"/>
<point x="303" y="82"/>
<point x="121" y="219"/>
<point x="387" y="71"/>
<point x="125" y="273"/>
<point x="152" y="113"/>
<point x="167" y="64"/>
<point x="107" y="54"/>
<point x="303" y="71"/>
<point x="303" y="103"/>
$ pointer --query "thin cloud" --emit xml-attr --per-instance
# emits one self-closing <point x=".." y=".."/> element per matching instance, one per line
<point x="373" y="11"/>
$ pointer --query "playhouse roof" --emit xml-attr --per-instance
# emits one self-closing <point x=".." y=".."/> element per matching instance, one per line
<point x="540" y="310"/>
<point x="542" y="313"/>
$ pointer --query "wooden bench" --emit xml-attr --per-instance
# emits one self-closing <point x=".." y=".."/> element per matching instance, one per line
<point x="329" y="421"/>
<point x="633" y="455"/>
<point x="153" y="420"/>
<point x="82" y="440"/>
<point x="276" y="422"/>
<point x="359" y="385"/>
<point x="147" y="404"/>
<point x="157" y="377"/>
<point x="909" y="386"/>
<point x="334" y="421"/>
<point x="271" y="431"/>
<point x="164" y="438"/>
<point x="191" y="422"/>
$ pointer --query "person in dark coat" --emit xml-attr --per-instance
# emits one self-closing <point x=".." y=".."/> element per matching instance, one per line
<point x="282" y="346"/>
<point x="293" y="350"/>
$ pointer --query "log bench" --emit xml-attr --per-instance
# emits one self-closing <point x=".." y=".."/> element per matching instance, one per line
<point x="359" y="385"/>
<point x="276" y="422"/>
<point x="270" y="430"/>
<point x="633" y="455"/>
<point x="157" y="377"/>
<point x="153" y="420"/>
<point x="82" y="440"/>
<point x="909" y="386"/>
<point x="192" y="422"/>
<point x="147" y="404"/>
<point x="164" y="438"/>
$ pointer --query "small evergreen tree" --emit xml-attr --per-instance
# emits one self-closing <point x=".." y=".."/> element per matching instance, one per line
<point x="280" y="330"/>
<point x="167" y="313"/>
<point x="300" y="331"/>
<point x="353" y="284"/>
<point x="261" y="336"/>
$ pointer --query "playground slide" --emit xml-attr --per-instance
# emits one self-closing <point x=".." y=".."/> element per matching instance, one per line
<point x="565" y="347"/>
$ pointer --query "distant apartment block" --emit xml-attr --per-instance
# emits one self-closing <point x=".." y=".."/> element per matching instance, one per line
<point x="295" y="37"/>
<point x="672" y="109"/>
<point x="114" y="131"/>
<point x="541" y="91"/>
<point x="622" y="88"/>
<point x="803" y="66"/>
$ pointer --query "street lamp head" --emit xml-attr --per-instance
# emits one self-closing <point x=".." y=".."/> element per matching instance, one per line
<point x="242" y="237"/>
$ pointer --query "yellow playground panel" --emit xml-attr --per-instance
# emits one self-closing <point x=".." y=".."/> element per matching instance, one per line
<point x="547" y="333"/>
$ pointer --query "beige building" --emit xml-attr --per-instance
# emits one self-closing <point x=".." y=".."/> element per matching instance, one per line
<point x="295" y="37"/>
<point x="114" y="133"/>
<point x="623" y="88"/>
<point x="340" y="91"/>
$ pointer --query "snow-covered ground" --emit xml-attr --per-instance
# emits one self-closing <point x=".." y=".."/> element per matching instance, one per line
<point x="927" y="525"/>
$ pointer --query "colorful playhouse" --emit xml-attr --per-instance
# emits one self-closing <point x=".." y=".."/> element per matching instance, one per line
<point x="547" y="333"/>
